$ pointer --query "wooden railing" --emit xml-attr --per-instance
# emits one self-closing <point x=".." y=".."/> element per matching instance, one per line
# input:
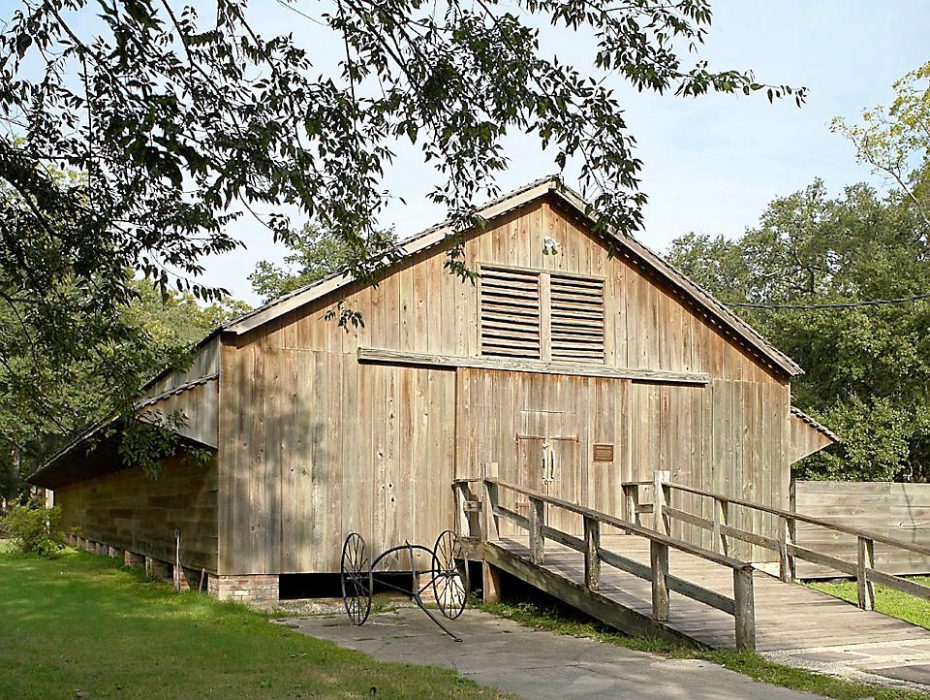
<point x="784" y="544"/>
<point x="741" y="606"/>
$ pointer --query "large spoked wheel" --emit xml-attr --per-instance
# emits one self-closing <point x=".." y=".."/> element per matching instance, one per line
<point x="357" y="579"/>
<point x="448" y="584"/>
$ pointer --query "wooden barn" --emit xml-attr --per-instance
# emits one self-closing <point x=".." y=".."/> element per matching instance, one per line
<point x="571" y="369"/>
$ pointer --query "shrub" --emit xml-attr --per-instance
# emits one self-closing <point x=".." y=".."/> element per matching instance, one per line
<point x="35" y="529"/>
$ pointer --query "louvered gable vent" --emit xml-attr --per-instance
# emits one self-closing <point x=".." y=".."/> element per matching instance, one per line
<point x="510" y="318"/>
<point x="577" y="317"/>
<point x="514" y="322"/>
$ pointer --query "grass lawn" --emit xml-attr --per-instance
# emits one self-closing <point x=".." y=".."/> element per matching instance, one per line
<point x="81" y="622"/>
<point x="567" y="621"/>
<point x="887" y="600"/>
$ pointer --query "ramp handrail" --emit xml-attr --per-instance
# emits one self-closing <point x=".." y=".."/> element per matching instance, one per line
<point x="785" y="544"/>
<point x="741" y="606"/>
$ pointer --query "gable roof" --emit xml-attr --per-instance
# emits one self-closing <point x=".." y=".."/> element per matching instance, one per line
<point x="550" y="186"/>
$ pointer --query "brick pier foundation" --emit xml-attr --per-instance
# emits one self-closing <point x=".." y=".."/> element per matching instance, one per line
<point x="252" y="589"/>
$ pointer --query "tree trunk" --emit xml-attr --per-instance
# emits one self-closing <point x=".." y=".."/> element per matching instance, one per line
<point x="15" y="471"/>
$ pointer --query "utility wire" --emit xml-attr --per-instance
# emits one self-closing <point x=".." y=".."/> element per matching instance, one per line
<point x="841" y="305"/>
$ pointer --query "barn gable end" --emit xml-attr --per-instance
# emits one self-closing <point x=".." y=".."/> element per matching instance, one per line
<point x="326" y="430"/>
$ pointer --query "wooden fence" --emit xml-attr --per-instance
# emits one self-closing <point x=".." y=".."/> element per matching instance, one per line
<point x="897" y="511"/>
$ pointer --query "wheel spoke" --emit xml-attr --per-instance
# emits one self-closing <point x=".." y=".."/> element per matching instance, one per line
<point x="355" y="575"/>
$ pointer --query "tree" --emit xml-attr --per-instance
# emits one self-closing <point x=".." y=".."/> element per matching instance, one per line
<point x="315" y="253"/>
<point x="134" y="132"/>
<point x="176" y="124"/>
<point x="50" y="390"/>
<point x="867" y="366"/>
<point x="895" y="140"/>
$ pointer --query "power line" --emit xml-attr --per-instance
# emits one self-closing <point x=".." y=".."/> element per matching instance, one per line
<point x="841" y="305"/>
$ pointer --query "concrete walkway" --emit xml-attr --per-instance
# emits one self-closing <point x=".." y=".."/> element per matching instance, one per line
<point x="904" y="664"/>
<point x="535" y="663"/>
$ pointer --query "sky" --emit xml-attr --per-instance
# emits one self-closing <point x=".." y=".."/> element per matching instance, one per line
<point x="711" y="164"/>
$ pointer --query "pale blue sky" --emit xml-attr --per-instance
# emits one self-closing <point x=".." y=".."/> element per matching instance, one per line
<point x="711" y="164"/>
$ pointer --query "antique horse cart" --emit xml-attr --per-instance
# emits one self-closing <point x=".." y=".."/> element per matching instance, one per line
<point x="443" y="578"/>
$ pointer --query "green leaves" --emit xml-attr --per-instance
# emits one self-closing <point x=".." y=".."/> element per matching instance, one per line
<point x="135" y="132"/>
<point x="315" y="254"/>
<point x="895" y="140"/>
<point x="35" y="529"/>
<point x="868" y="368"/>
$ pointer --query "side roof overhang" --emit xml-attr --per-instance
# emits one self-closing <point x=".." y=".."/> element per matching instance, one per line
<point x="807" y="436"/>
<point x="96" y="450"/>
<point x="551" y="187"/>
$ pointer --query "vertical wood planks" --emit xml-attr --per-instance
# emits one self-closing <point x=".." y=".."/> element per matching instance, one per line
<point x="314" y="445"/>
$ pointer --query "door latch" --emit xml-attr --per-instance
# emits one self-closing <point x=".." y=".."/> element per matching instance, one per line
<point x="548" y="456"/>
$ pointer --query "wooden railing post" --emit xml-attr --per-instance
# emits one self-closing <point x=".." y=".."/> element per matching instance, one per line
<point x="592" y="560"/>
<point x="490" y="524"/>
<point x="659" y="501"/>
<point x="745" y="609"/>
<point x="631" y="503"/>
<point x="658" y="558"/>
<point x="721" y="517"/>
<point x="785" y="560"/>
<point x="537" y="520"/>
<point x="866" y="560"/>
<point x="462" y="525"/>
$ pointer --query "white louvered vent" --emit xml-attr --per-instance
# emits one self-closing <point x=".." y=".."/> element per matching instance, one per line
<point x="510" y="318"/>
<point x="577" y="317"/>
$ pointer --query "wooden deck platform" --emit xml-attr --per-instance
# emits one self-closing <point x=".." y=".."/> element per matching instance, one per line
<point x="788" y="616"/>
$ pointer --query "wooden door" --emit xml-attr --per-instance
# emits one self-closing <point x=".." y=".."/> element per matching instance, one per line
<point x="535" y="427"/>
<point x="549" y="460"/>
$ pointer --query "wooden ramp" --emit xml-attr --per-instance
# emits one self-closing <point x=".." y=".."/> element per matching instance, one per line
<point x="643" y="581"/>
<point x="787" y="616"/>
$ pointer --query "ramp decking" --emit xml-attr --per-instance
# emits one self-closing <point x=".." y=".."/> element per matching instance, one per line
<point x="788" y="616"/>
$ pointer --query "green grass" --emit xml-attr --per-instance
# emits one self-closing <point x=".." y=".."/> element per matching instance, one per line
<point x="80" y="622"/>
<point x="566" y="621"/>
<point x="887" y="600"/>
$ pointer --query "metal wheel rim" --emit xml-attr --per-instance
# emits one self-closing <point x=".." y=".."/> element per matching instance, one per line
<point x="356" y="578"/>
<point x="448" y="584"/>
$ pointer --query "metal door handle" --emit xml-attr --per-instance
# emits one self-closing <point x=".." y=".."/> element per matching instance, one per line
<point x="548" y="463"/>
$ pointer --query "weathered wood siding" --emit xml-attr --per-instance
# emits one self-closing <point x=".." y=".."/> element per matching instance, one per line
<point x="314" y="443"/>
<point x="129" y="509"/>
<point x="198" y="404"/>
<point x="805" y="439"/>
<point x="895" y="510"/>
<point x="727" y="437"/>
<point x="326" y="446"/>
<point x="204" y="363"/>
<point x="423" y="308"/>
